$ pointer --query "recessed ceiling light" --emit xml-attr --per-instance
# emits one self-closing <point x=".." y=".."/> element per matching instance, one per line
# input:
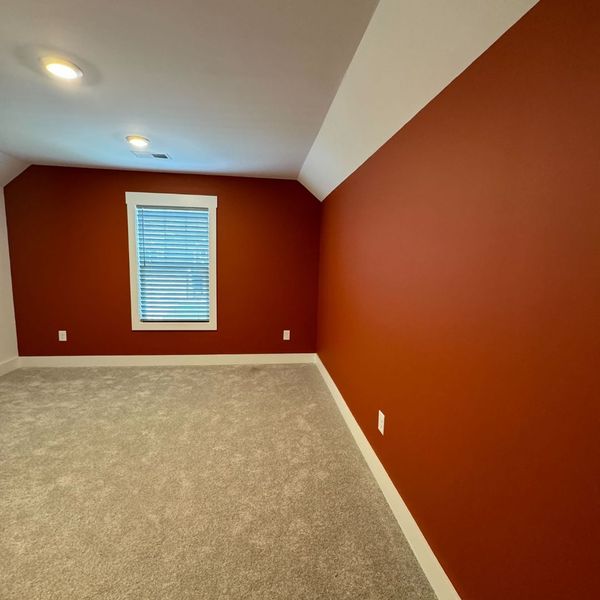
<point x="138" y="141"/>
<point x="61" y="68"/>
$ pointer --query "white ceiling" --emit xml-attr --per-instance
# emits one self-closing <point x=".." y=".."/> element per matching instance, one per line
<point x="222" y="86"/>
<point x="411" y="50"/>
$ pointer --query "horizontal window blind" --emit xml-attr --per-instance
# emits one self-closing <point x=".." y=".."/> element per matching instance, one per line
<point x="173" y="263"/>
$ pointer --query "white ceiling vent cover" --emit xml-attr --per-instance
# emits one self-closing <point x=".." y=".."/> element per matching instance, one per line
<point x="157" y="155"/>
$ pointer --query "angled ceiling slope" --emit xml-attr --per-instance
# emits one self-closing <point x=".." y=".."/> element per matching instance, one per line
<point x="409" y="53"/>
<point x="221" y="86"/>
<point x="10" y="167"/>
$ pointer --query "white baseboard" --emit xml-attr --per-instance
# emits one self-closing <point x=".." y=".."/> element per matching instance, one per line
<point x="439" y="581"/>
<point x="165" y="360"/>
<point x="6" y="366"/>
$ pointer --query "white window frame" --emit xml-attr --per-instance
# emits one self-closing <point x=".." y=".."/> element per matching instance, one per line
<point x="135" y="199"/>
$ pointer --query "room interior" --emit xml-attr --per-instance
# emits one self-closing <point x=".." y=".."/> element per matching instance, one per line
<point x="393" y="392"/>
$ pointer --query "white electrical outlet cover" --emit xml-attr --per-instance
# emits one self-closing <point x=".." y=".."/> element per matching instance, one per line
<point x="381" y="422"/>
<point x="286" y="335"/>
<point x="62" y="335"/>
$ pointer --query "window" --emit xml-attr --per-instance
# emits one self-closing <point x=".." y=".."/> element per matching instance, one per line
<point x="172" y="261"/>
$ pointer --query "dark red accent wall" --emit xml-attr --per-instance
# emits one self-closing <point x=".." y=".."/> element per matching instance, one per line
<point x="70" y="266"/>
<point x="460" y="294"/>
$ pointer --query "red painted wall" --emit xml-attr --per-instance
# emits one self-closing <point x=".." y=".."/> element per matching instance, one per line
<point x="460" y="294"/>
<point x="69" y="257"/>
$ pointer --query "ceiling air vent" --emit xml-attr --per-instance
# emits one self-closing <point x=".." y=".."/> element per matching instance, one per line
<point x="158" y="155"/>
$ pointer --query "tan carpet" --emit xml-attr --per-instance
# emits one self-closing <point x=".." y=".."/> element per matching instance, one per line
<point x="175" y="483"/>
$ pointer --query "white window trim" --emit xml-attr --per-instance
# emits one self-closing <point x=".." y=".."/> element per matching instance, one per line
<point x="134" y="199"/>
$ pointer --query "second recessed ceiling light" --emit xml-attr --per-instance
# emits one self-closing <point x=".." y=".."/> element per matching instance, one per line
<point x="138" y="141"/>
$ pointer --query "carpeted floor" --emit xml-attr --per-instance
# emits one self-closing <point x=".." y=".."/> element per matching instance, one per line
<point x="176" y="483"/>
